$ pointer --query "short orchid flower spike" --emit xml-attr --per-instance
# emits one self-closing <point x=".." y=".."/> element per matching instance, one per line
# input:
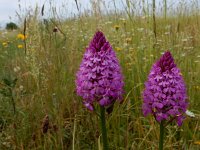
<point x="165" y="92"/>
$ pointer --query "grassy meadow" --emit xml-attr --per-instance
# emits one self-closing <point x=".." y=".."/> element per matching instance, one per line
<point x="39" y="108"/>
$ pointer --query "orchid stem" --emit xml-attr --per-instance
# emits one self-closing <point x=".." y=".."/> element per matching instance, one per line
<point x="103" y="128"/>
<point x="161" y="135"/>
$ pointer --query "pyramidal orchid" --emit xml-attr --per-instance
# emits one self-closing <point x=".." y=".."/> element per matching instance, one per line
<point x="165" y="93"/>
<point x="99" y="79"/>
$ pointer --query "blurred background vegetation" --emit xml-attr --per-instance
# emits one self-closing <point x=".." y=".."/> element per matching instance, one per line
<point x="39" y="108"/>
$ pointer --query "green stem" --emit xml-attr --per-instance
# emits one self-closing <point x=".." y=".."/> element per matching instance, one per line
<point x="13" y="101"/>
<point x="161" y="135"/>
<point x="103" y="128"/>
<point x="154" y="19"/>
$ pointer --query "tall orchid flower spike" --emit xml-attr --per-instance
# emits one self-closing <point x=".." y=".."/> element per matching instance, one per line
<point x="99" y="79"/>
<point x="165" y="92"/>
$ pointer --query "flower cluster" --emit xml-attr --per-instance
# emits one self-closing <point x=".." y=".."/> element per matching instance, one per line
<point x="20" y="46"/>
<point x="21" y="36"/>
<point x="99" y="78"/>
<point x="165" y="93"/>
<point x="4" y="44"/>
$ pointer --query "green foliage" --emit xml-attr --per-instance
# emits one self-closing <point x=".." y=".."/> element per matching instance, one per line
<point x="11" y="26"/>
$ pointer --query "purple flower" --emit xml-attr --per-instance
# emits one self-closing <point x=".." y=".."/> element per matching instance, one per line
<point x="165" y="93"/>
<point x="99" y="78"/>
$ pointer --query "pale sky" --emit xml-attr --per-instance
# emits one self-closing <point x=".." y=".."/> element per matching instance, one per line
<point x="8" y="8"/>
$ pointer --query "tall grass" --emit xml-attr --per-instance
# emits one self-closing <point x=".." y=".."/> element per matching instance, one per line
<point x="45" y="90"/>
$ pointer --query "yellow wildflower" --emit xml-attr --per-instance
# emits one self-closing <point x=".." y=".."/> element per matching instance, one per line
<point x="20" y="46"/>
<point x="118" y="49"/>
<point x="197" y="142"/>
<point x="21" y="36"/>
<point x="5" y="44"/>
<point x="128" y="40"/>
<point x="197" y="87"/>
<point x="116" y="27"/>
